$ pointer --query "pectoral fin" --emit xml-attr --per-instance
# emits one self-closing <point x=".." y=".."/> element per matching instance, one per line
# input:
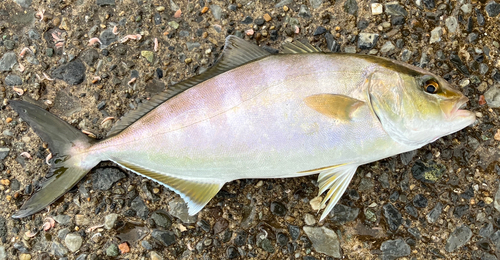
<point x="195" y="193"/>
<point x="340" y="107"/>
<point x="335" y="181"/>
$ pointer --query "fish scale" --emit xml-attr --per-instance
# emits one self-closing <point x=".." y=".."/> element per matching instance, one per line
<point x="257" y="115"/>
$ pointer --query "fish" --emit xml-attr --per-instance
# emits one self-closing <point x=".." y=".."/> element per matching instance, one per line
<point x="257" y="115"/>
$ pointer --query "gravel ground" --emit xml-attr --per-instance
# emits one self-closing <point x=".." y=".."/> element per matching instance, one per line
<point x="438" y="202"/>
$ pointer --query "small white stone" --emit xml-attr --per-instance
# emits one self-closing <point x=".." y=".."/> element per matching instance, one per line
<point x="316" y="202"/>
<point x="377" y="8"/>
<point x="309" y="219"/>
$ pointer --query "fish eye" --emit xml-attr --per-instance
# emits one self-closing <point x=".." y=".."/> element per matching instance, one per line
<point x="431" y="86"/>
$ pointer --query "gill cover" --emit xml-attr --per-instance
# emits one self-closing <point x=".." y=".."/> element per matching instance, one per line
<point x="404" y="110"/>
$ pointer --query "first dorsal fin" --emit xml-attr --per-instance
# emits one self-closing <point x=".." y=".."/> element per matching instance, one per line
<point x="299" y="47"/>
<point x="236" y="53"/>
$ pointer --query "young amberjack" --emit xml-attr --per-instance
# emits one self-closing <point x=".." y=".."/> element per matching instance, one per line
<point x="257" y="115"/>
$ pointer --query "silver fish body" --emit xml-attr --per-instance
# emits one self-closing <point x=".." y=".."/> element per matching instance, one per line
<point x="276" y="116"/>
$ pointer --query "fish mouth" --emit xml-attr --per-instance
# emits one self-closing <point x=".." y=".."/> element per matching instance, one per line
<point x="461" y="116"/>
<point x="458" y="112"/>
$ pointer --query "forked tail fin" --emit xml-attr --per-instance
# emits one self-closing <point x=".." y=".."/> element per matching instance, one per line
<point x="67" y="167"/>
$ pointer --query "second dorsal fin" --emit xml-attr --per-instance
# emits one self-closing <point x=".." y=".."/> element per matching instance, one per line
<point x="299" y="47"/>
<point x="236" y="53"/>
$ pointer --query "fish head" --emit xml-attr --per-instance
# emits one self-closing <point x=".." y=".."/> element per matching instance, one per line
<point x="416" y="107"/>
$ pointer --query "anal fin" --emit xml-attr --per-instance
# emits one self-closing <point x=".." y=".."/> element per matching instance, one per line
<point x="195" y="193"/>
<point x="335" y="181"/>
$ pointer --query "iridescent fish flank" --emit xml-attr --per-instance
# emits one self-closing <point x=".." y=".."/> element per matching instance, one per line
<point x="257" y="115"/>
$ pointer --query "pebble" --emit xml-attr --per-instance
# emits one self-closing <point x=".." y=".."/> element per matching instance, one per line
<point x="107" y="37"/>
<point x="436" y="35"/>
<point x="342" y="214"/>
<point x="105" y="2"/>
<point x="192" y="45"/>
<point x="73" y="241"/>
<point x="178" y="209"/>
<point x="155" y="256"/>
<point x="13" y="80"/>
<point x="406" y="55"/>
<point x="173" y="24"/>
<point x="110" y="221"/>
<point x="452" y="24"/>
<point x="58" y="249"/>
<point x="9" y="44"/>
<point x="161" y="219"/>
<point x="294" y="231"/>
<point x="3" y="254"/>
<point x="387" y="47"/>
<point x="458" y="238"/>
<point x="492" y="96"/>
<point x="472" y="37"/>
<point x="466" y="8"/>
<point x="140" y="207"/>
<point x="420" y="201"/>
<point x="267" y="17"/>
<point x="304" y="12"/>
<point x="247" y="20"/>
<point x="8" y="61"/>
<point x="220" y="225"/>
<point x="267" y="245"/>
<point x="480" y="18"/>
<point x="149" y="55"/>
<point x="112" y="250"/>
<point x="72" y="73"/>
<point x="367" y="41"/>
<point x="62" y="219"/>
<point x="427" y="172"/>
<point x="24" y="257"/>
<point x="165" y="237"/>
<point x="365" y="184"/>
<point x="411" y="210"/>
<point x="324" y="240"/>
<point x="486" y="231"/>
<point x="62" y="233"/>
<point x="319" y="31"/>
<point x="104" y="178"/>
<point x="331" y="43"/>
<point x="393" y="216"/>
<point x="377" y="8"/>
<point x="496" y="202"/>
<point x="316" y="3"/>
<point x="434" y="214"/>
<point x="24" y="4"/>
<point x="278" y="209"/>
<point x="458" y="63"/>
<point x="259" y="21"/>
<point x="282" y="239"/>
<point x="216" y="11"/>
<point x="483" y="68"/>
<point x="392" y="249"/>
<point x="309" y="219"/>
<point x="351" y="7"/>
<point x="89" y="56"/>
<point x="124" y="248"/>
<point x="492" y="9"/>
<point x="232" y="252"/>
<point x="283" y="3"/>
<point x="495" y="239"/>
<point x="430" y="3"/>
<point x="395" y="9"/>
